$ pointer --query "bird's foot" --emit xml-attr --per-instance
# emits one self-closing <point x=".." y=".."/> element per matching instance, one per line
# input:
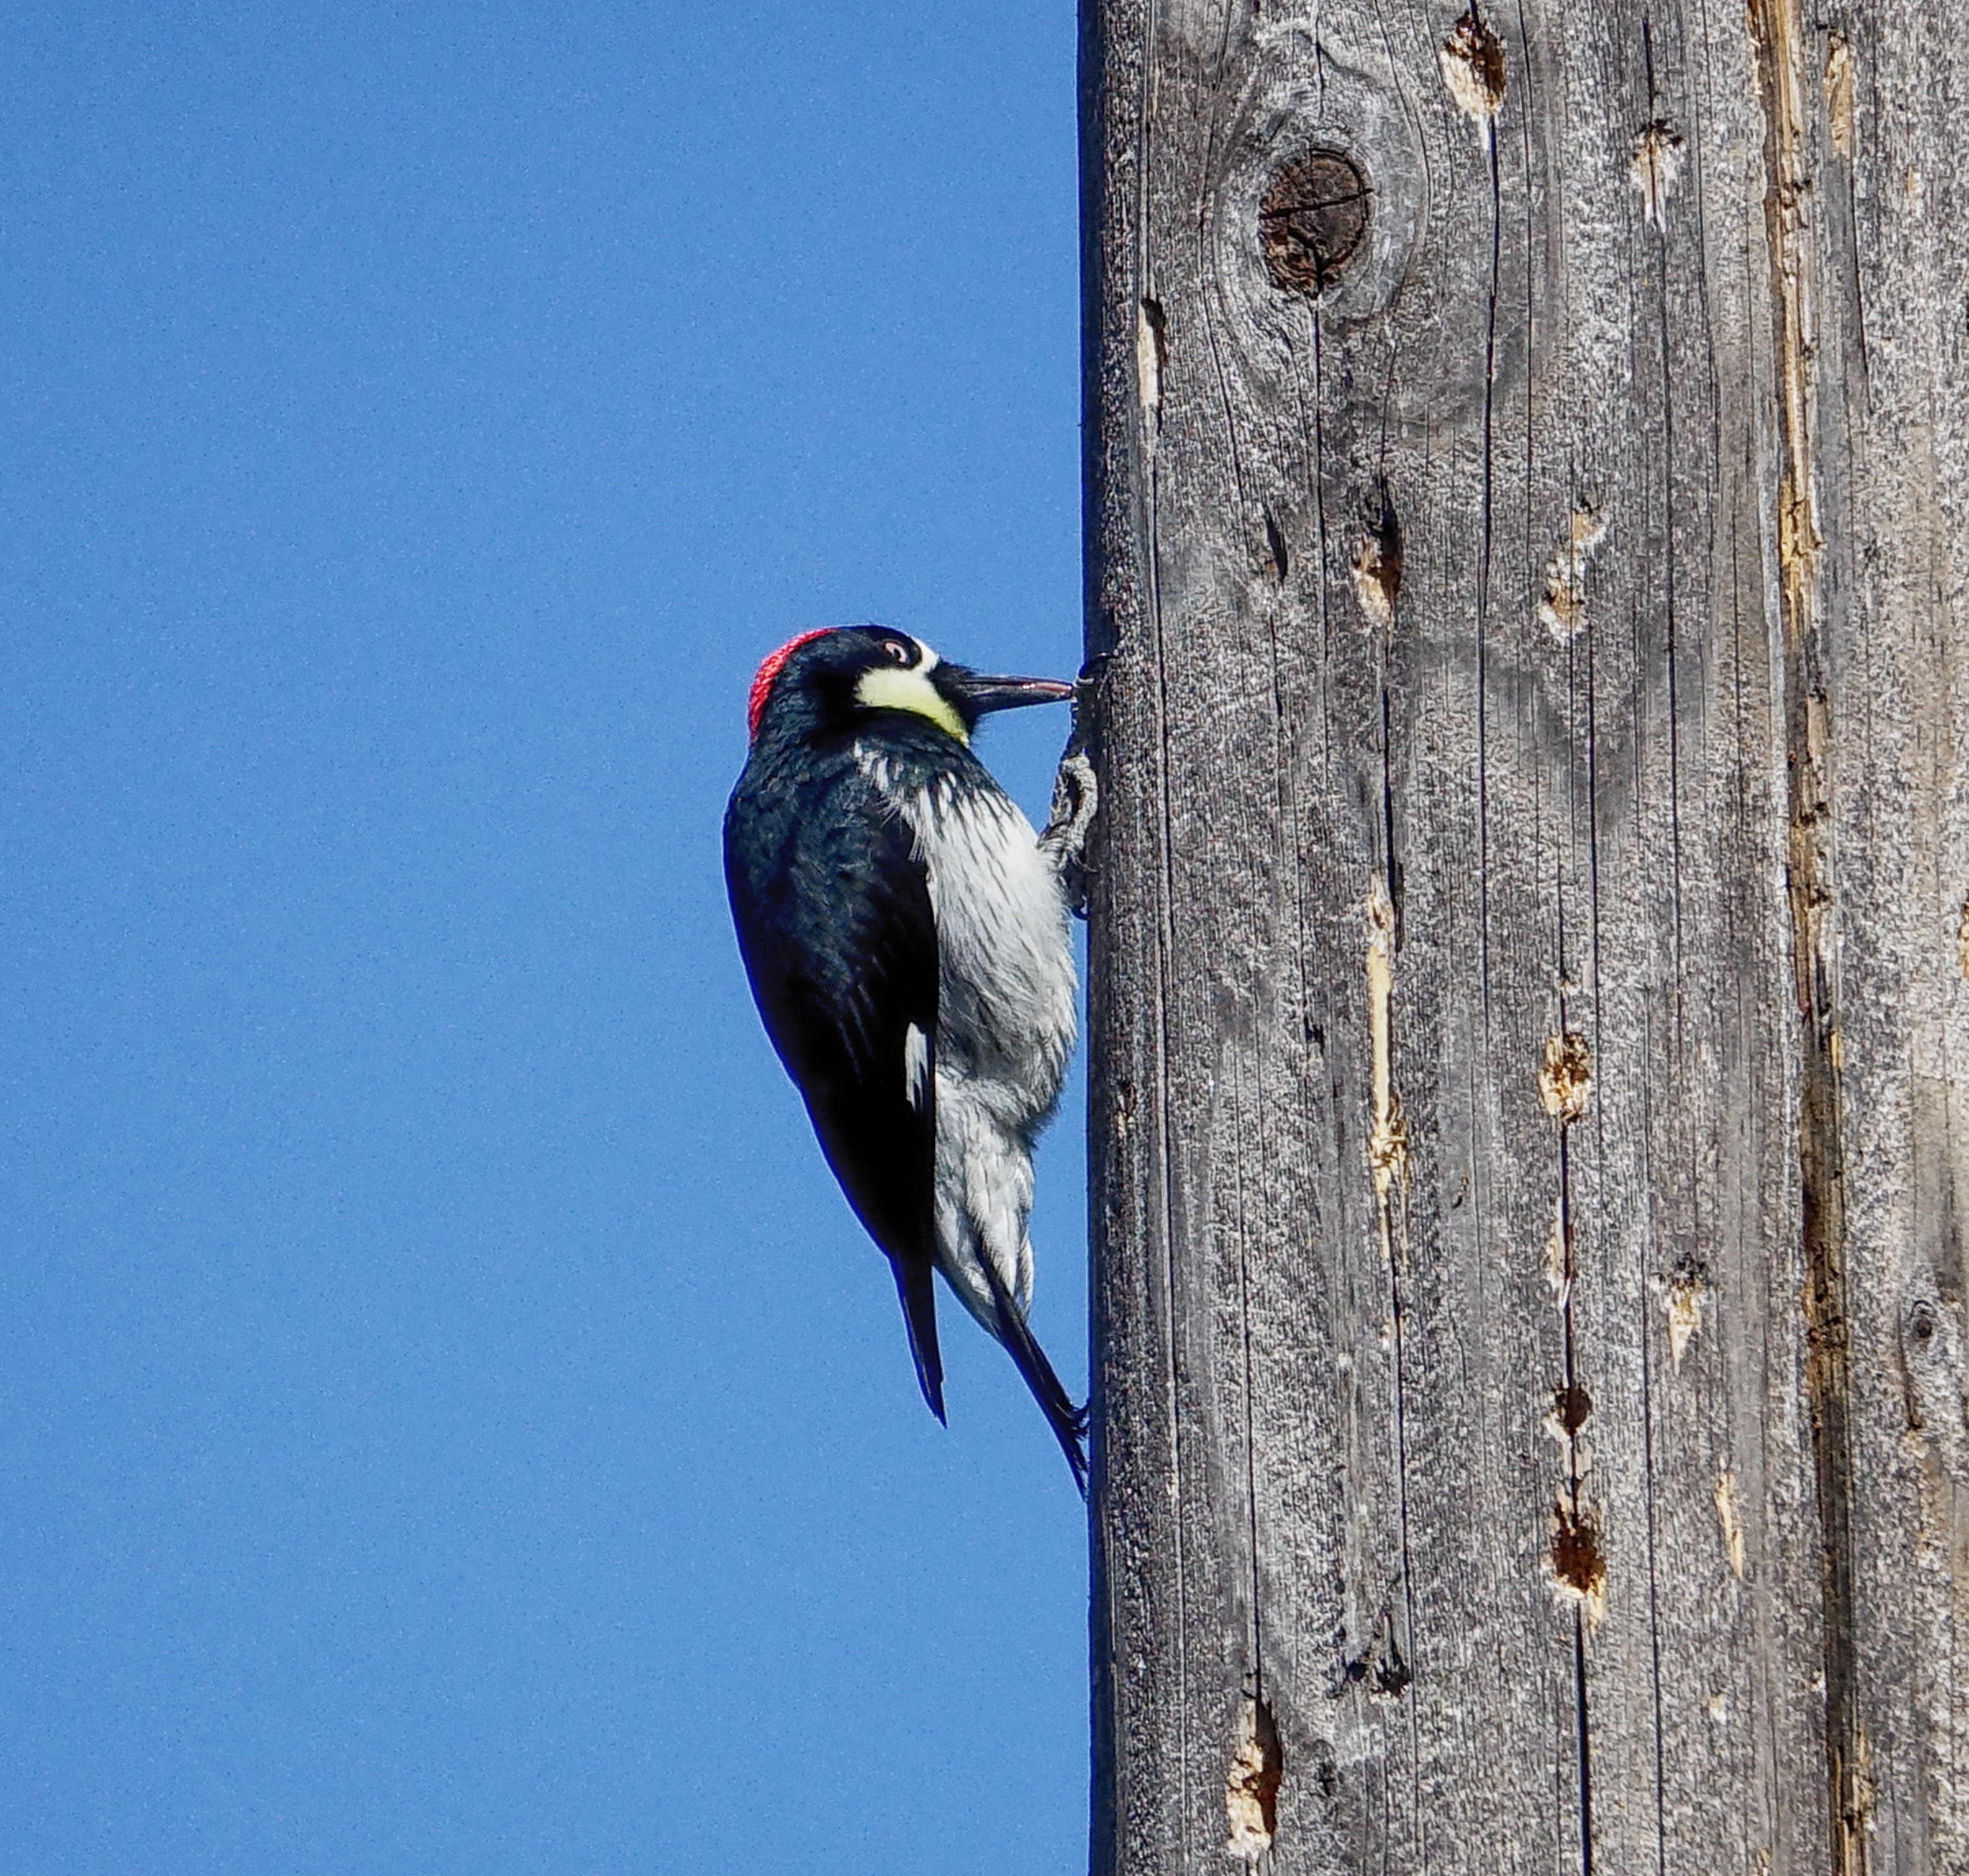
<point x="1076" y="798"/>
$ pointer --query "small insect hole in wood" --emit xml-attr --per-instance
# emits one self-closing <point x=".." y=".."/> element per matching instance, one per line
<point x="1472" y="59"/>
<point x="1377" y="562"/>
<point x="1565" y="1077"/>
<point x="1688" y="1294"/>
<point x="1151" y="357"/>
<point x="1562" y="609"/>
<point x="1578" y="1564"/>
<point x="1313" y="220"/>
<point x="1656" y="164"/>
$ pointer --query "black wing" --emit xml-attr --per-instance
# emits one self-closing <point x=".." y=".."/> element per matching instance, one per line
<point x="833" y="912"/>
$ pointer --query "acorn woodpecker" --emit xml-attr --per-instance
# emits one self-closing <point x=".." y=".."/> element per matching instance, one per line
<point x="905" y="931"/>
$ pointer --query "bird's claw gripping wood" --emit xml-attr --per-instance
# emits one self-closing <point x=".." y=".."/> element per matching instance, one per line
<point x="1076" y="799"/>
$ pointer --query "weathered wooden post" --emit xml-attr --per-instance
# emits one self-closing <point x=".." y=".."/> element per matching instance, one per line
<point x="1529" y="455"/>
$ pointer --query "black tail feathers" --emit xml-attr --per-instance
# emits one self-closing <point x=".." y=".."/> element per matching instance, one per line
<point x="1069" y="1423"/>
<point x="915" y="1285"/>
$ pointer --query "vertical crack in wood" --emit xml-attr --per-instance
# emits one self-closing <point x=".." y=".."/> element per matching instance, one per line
<point x="1387" y="1140"/>
<point x="1387" y="1148"/>
<point x="1389" y="1152"/>
<point x="1781" y="34"/>
<point x="1661" y="179"/>
<point x="1578" y="1557"/>
<point x="1488" y="524"/>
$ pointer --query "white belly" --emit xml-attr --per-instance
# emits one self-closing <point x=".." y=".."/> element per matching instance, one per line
<point x="1005" y="1027"/>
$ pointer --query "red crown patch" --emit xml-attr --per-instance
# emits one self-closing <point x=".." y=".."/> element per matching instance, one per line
<point x="768" y="676"/>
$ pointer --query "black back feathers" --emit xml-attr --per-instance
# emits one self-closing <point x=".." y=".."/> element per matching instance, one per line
<point x="833" y="914"/>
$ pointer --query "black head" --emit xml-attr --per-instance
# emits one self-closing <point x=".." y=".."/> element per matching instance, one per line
<point x="833" y="679"/>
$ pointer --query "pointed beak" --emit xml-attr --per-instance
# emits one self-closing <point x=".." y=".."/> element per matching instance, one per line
<point x="980" y="695"/>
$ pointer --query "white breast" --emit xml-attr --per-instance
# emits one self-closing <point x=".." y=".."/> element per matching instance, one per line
<point x="1007" y="963"/>
<point x="1006" y="959"/>
<point x="1004" y="1027"/>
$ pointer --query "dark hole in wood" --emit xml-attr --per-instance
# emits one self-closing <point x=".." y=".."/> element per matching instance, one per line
<point x="1275" y="541"/>
<point x="1576" y="1560"/>
<point x="1394" y="1674"/>
<point x="1313" y="220"/>
<point x="1574" y="1406"/>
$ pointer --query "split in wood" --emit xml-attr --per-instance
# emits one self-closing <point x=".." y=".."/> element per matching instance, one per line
<point x="1387" y="1140"/>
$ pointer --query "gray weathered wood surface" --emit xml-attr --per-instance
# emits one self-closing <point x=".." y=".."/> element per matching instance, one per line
<point x="1530" y="998"/>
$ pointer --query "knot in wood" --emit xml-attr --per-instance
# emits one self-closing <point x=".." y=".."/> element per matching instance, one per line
<point x="1312" y="219"/>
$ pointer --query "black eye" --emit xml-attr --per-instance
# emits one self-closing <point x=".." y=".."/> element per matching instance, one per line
<point x="897" y="650"/>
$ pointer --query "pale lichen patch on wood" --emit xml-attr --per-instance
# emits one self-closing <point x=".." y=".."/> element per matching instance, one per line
<point x="1251" y="1791"/>
<point x="1565" y="1077"/>
<point x="1563" y="611"/>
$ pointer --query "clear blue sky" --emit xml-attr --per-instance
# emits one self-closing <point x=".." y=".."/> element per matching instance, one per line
<point x="450" y="1422"/>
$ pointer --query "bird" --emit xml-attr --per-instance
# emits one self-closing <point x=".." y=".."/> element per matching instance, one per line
<point x="906" y="934"/>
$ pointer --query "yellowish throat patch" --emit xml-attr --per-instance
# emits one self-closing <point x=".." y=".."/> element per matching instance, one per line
<point x="888" y="687"/>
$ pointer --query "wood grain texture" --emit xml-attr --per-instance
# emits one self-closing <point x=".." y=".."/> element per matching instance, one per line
<point x="1530" y="984"/>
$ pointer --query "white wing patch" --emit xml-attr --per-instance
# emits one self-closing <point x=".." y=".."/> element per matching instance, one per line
<point x="915" y="1066"/>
